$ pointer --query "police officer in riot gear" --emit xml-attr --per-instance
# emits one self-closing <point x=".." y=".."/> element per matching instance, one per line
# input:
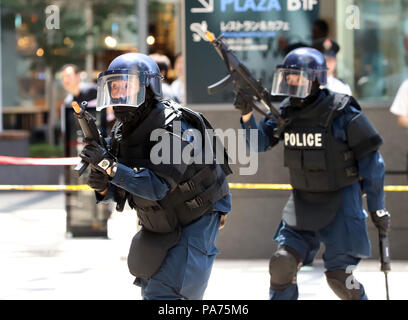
<point x="331" y="151"/>
<point x="180" y="205"/>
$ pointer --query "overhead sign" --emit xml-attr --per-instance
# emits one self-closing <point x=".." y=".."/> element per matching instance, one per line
<point x="258" y="31"/>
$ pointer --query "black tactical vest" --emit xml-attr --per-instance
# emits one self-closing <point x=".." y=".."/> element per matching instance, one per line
<point x="194" y="188"/>
<point x="317" y="161"/>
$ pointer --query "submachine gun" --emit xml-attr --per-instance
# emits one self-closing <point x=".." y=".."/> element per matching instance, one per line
<point x="244" y="82"/>
<point x="87" y="123"/>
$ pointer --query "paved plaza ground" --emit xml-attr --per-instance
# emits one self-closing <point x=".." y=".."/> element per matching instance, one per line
<point x="38" y="261"/>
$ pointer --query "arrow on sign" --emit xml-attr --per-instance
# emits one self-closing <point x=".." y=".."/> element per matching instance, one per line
<point x="207" y="7"/>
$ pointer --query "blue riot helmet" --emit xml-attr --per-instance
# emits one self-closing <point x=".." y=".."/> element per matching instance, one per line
<point x="299" y="70"/>
<point x="126" y="80"/>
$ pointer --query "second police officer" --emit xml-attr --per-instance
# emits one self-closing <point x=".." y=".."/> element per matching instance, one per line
<point x="180" y="205"/>
<point x="331" y="151"/>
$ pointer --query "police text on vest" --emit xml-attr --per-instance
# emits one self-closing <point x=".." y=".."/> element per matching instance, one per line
<point x="304" y="140"/>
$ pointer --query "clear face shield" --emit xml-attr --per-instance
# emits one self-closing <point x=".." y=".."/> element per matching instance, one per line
<point x="121" y="88"/>
<point x="292" y="83"/>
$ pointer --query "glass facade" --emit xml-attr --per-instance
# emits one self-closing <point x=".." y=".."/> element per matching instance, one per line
<point x="373" y="35"/>
<point x="89" y="33"/>
<point x="37" y="38"/>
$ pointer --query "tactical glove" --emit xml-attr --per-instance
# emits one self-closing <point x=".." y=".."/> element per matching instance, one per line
<point x="243" y="103"/>
<point x="97" y="156"/>
<point x="382" y="220"/>
<point x="98" y="180"/>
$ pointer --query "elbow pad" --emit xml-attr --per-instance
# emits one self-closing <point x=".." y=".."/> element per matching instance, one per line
<point x="363" y="138"/>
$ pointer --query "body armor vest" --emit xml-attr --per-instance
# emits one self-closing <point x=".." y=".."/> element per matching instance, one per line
<point x="194" y="188"/>
<point x="317" y="161"/>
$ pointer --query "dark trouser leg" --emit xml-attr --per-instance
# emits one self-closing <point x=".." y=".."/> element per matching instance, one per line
<point x="345" y="286"/>
<point x="186" y="269"/>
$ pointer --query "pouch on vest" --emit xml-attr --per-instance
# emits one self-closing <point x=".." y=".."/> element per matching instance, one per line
<point x="153" y="217"/>
<point x="148" y="251"/>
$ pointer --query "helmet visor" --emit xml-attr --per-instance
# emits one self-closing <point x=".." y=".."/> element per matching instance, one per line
<point x="292" y="83"/>
<point x="120" y="88"/>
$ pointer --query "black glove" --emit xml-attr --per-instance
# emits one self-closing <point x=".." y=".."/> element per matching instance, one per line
<point x="97" y="156"/>
<point x="243" y="103"/>
<point x="382" y="220"/>
<point x="98" y="180"/>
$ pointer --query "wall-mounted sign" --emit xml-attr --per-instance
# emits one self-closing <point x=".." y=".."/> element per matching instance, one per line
<point x="258" y="31"/>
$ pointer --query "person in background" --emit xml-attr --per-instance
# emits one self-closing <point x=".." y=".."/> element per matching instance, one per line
<point x="164" y="65"/>
<point x="178" y="85"/>
<point x="400" y="105"/>
<point x="71" y="82"/>
<point x="80" y="91"/>
<point x="77" y="91"/>
<point x="320" y="30"/>
<point x="329" y="48"/>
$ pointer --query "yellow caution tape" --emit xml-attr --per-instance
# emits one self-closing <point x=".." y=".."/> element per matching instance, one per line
<point x="396" y="188"/>
<point x="250" y="186"/>
<point x="237" y="186"/>
<point x="260" y="186"/>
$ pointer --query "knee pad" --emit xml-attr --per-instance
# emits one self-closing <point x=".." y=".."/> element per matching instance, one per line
<point x="283" y="268"/>
<point x="344" y="285"/>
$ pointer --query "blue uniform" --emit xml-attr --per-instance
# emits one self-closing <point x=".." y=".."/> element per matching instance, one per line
<point x="345" y="238"/>
<point x="186" y="269"/>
